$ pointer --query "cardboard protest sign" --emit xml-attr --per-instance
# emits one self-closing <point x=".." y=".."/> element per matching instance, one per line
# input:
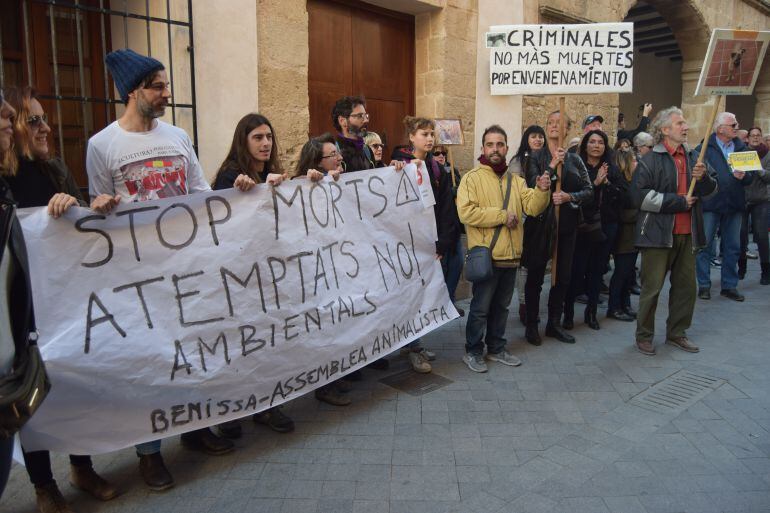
<point x="561" y="59"/>
<point x="176" y="314"/>
<point x="733" y="61"/>
<point x="744" y="161"/>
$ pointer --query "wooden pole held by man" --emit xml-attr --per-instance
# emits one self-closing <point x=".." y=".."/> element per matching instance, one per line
<point x="562" y="133"/>
<point x="704" y="147"/>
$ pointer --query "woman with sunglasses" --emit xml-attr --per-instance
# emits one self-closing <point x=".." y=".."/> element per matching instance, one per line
<point x="38" y="180"/>
<point x="374" y="142"/>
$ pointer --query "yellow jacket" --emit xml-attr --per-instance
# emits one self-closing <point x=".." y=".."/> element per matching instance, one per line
<point x="480" y="207"/>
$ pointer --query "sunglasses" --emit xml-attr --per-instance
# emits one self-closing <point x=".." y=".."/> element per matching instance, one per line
<point x="439" y="154"/>
<point x="36" y="121"/>
<point x="377" y="146"/>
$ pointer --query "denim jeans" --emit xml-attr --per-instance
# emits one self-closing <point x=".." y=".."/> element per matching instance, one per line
<point x="452" y="265"/>
<point x="729" y="226"/>
<point x="147" y="448"/>
<point x="489" y="312"/>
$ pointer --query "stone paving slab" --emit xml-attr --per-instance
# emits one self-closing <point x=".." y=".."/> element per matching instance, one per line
<point x="557" y="434"/>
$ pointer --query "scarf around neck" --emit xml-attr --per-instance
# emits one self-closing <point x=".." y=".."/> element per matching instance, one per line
<point x="499" y="169"/>
<point x="358" y="142"/>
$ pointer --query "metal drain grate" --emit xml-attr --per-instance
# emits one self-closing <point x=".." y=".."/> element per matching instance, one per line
<point x="415" y="384"/>
<point x="677" y="392"/>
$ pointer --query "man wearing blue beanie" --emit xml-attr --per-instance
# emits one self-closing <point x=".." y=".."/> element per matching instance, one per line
<point x="139" y="158"/>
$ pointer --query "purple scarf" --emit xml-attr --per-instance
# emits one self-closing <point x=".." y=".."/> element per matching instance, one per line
<point x="499" y="169"/>
<point x="358" y="142"/>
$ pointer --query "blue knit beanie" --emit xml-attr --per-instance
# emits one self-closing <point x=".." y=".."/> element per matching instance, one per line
<point x="128" y="68"/>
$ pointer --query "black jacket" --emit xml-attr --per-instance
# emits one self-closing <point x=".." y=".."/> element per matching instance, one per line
<point x="539" y="230"/>
<point x="355" y="159"/>
<point x="445" y="210"/>
<point x="606" y="203"/>
<point x="36" y="181"/>
<point x="655" y="188"/>
<point x="630" y="134"/>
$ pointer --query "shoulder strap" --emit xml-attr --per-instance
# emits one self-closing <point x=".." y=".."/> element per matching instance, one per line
<point x="505" y="207"/>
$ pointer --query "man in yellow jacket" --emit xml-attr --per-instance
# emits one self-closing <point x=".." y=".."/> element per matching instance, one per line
<point x="480" y="207"/>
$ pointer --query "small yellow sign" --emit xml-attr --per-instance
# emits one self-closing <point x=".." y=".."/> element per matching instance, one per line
<point x="744" y="161"/>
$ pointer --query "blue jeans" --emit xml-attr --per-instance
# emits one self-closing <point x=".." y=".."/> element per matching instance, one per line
<point x="147" y="448"/>
<point x="489" y="312"/>
<point x="729" y="226"/>
<point x="452" y="265"/>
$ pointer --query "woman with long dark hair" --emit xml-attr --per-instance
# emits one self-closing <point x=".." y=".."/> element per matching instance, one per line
<point x="532" y="140"/>
<point x="597" y="230"/>
<point x="37" y="179"/>
<point x="319" y="157"/>
<point x="540" y="232"/>
<point x="253" y="159"/>
<point x="623" y="277"/>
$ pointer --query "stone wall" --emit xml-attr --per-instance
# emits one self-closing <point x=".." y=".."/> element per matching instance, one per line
<point x="282" y="35"/>
<point x="445" y="69"/>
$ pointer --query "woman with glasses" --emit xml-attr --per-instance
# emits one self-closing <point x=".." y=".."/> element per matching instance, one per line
<point x="374" y="142"/>
<point x="253" y="159"/>
<point x="319" y="157"/>
<point x="36" y="179"/>
<point x="420" y="132"/>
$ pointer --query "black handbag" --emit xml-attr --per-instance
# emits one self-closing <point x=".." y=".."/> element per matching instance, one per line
<point x="478" y="259"/>
<point x="24" y="387"/>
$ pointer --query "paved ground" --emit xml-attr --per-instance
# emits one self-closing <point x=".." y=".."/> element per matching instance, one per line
<point x="557" y="434"/>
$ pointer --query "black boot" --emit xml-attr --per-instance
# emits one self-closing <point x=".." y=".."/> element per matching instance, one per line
<point x="590" y="317"/>
<point x="765" y="279"/>
<point x="552" y="329"/>
<point x="532" y="334"/>
<point x="569" y="316"/>
<point x="742" y="267"/>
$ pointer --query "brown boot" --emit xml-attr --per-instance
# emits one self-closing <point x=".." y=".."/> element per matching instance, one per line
<point x="154" y="472"/>
<point x="50" y="500"/>
<point x="84" y="478"/>
<point x="645" y="347"/>
<point x="683" y="343"/>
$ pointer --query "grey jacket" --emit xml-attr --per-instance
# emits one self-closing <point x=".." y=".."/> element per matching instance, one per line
<point x="655" y="194"/>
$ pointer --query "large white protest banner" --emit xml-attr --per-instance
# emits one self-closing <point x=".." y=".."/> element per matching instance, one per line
<point x="176" y="314"/>
<point x="561" y="59"/>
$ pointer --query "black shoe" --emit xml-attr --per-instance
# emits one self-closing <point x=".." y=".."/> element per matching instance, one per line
<point x="620" y="315"/>
<point x="590" y="317"/>
<point x="635" y="290"/>
<point x="732" y="294"/>
<point x="704" y="293"/>
<point x="381" y="364"/>
<point x="275" y="419"/>
<point x="205" y="441"/>
<point x="154" y="472"/>
<point x="231" y="429"/>
<point x="532" y="335"/>
<point x="552" y="329"/>
<point x="629" y="311"/>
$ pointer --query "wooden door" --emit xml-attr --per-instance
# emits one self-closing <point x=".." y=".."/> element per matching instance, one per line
<point x="80" y="117"/>
<point x="358" y="49"/>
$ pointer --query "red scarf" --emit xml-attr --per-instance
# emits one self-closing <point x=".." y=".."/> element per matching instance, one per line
<point x="499" y="169"/>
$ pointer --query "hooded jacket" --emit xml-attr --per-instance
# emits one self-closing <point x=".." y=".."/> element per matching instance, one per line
<point x="480" y="207"/>
<point x="655" y="194"/>
<point x="731" y="196"/>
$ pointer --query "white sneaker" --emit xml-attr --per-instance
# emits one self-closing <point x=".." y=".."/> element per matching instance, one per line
<point x="475" y="363"/>
<point x="419" y="362"/>
<point x="505" y="358"/>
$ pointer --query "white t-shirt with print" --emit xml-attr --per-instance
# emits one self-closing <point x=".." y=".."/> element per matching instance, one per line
<point x="141" y="166"/>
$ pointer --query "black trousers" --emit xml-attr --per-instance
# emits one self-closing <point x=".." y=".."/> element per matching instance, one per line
<point x="621" y="282"/>
<point x="536" y="276"/>
<point x="39" y="465"/>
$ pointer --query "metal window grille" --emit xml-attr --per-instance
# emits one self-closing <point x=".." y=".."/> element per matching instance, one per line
<point x="110" y="17"/>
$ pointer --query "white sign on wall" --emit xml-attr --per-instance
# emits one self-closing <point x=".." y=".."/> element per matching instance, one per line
<point x="561" y="59"/>
<point x="172" y="315"/>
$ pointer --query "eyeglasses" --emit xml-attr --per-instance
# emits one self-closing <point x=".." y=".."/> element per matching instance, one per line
<point x="159" y="86"/>
<point x="35" y="121"/>
<point x="333" y="154"/>
<point x="733" y="125"/>
<point x="439" y="154"/>
<point x="377" y="146"/>
<point x="360" y="115"/>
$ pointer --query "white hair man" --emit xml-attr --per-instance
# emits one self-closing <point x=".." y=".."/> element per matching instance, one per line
<point x="724" y="210"/>
<point x="669" y="228"/>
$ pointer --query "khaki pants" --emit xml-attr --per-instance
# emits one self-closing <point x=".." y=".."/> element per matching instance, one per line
<point x="679" y="261"/>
